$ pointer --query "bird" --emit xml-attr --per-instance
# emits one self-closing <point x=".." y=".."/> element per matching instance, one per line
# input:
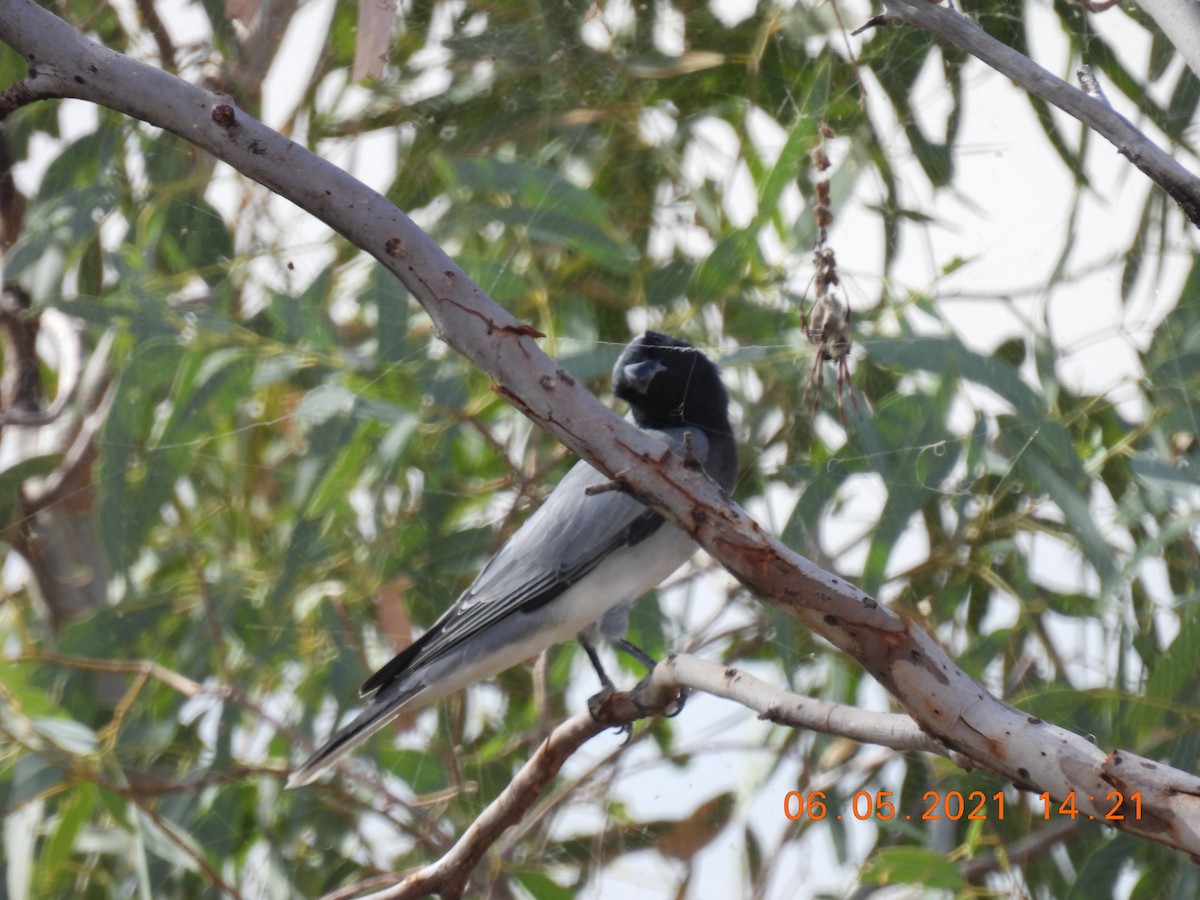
<point x="576" y="565"/>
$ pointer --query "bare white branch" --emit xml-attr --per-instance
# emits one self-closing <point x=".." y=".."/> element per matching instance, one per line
<point x="894" y="730"/>
<point x="448" y="875"/>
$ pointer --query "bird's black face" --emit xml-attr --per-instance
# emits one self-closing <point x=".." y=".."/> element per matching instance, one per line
<point x="668" y="383"/>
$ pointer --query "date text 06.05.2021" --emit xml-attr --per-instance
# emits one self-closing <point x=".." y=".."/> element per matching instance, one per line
<point x="954" y="805"/>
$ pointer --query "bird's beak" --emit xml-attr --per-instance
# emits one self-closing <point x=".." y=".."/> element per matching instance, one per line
<point x="638" y="375"/>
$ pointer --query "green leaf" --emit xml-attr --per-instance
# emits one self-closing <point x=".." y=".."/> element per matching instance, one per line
<point x="930" y="869"/>
<point x="15" y="476"/>
<point x="23" y="695"/>
<point x="944" y="355"/>
<point x="1171" y="684"/>
<point x="194" y="239"/>
<point x="542" y="887"/>
<point x="724" y="270"/>
<point x="551" y="208"/>
<point x="73" y="812"/>
<point x="391" y="305"/>
<point x="1040" y="459"/>
<point x="914" y="464"/>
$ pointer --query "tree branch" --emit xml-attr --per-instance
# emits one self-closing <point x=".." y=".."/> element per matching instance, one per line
<point x="895" y="730"/>
<point x="657" y="691"/>
<point x="449" y="875"/>
<point x="1163" y="170"/>
<point x="946" y="702"/>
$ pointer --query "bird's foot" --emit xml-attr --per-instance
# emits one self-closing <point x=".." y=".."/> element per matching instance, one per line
<point x="596" y="702"/>
<point x="670" y="709"/>
<point x="596" y="706"/>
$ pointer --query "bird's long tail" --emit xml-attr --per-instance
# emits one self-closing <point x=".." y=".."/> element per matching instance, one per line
<point x="378" y="712"/>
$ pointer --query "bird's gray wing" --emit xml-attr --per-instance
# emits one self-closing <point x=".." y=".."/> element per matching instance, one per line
<point x="564" y="539"/>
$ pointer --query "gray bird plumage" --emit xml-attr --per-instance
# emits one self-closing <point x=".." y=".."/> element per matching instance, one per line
<point x="577" y="563"/>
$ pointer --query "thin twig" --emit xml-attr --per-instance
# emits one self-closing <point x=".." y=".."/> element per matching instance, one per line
<point x="1158" y="165"/>
<point x="449" y="875"/>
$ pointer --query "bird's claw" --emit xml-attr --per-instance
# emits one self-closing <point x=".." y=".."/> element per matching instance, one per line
<point x="673" y="708"/>
<point x="676" y="706"/>
<point x="596" y="704"/>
